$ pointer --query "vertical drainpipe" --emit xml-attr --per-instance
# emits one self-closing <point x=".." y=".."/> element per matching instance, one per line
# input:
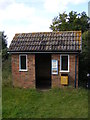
<point x="75" y="70"/>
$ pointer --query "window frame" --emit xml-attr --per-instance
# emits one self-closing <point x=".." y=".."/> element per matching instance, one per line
<point x="61" y="62"/>
<point x="20" y="62"/>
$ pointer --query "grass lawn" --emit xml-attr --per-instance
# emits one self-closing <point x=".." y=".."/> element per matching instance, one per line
<point x="30" y="103"/>
<point x="54" y="103"/>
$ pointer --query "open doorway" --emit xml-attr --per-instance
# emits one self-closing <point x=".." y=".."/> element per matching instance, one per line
<point x="43" y="70"/>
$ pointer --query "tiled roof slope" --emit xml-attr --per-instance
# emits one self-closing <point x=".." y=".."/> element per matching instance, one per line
<point x="46" y="42"/>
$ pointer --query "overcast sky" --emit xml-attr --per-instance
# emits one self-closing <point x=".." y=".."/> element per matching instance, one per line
<point x="21" y="16"/>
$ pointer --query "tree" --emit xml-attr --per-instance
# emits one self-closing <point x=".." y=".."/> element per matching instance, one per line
<point x="4" y="46"/>
<point x="71" y="21"/>
<point x="83" y="61"/>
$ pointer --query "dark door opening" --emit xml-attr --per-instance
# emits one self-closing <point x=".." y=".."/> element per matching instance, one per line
<point x="43" y="70"/>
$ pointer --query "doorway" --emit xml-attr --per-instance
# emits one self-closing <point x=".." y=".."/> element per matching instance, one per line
<point x="43" y="70"/>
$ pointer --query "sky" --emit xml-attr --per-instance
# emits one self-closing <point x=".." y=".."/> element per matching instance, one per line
<point x="24" y="16"/>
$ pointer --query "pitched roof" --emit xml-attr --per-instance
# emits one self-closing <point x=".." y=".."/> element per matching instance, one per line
<point x="46" y="42"/>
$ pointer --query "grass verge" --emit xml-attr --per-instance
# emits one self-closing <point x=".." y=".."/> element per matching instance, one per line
<point x="54" y="103"/>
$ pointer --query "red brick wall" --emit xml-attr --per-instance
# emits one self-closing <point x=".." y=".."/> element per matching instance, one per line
<point x="72" y="71"/>
<point x="23" y="78"/>
<point x="27" y="78"/>
<point x="56" y="79"/>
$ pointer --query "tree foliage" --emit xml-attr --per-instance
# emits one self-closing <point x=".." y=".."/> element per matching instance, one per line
<point x="71" y="21"/>
<point x="4" y="47"/>
<point x="83" y="61"/>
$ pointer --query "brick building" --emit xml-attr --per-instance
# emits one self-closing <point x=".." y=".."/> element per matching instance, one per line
<point x="45" y="59"/>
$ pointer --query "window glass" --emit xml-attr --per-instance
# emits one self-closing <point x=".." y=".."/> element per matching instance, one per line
<point x="64" y="62"/>
<point x="22" y="62"/>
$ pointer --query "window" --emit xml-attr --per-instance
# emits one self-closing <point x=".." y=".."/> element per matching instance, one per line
<point x="64" y="63"/>
<point x="23" y="62"/>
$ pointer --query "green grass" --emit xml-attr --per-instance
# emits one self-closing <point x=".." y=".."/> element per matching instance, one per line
<point x="30" y="103"/>
<point x="54" y="103"/>
<point x="6" y="72"/>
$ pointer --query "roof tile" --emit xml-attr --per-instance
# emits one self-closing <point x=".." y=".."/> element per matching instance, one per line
<point x="46" y="41"/>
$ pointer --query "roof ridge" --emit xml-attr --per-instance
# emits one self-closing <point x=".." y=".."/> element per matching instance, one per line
<point x="47" y="32"/>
